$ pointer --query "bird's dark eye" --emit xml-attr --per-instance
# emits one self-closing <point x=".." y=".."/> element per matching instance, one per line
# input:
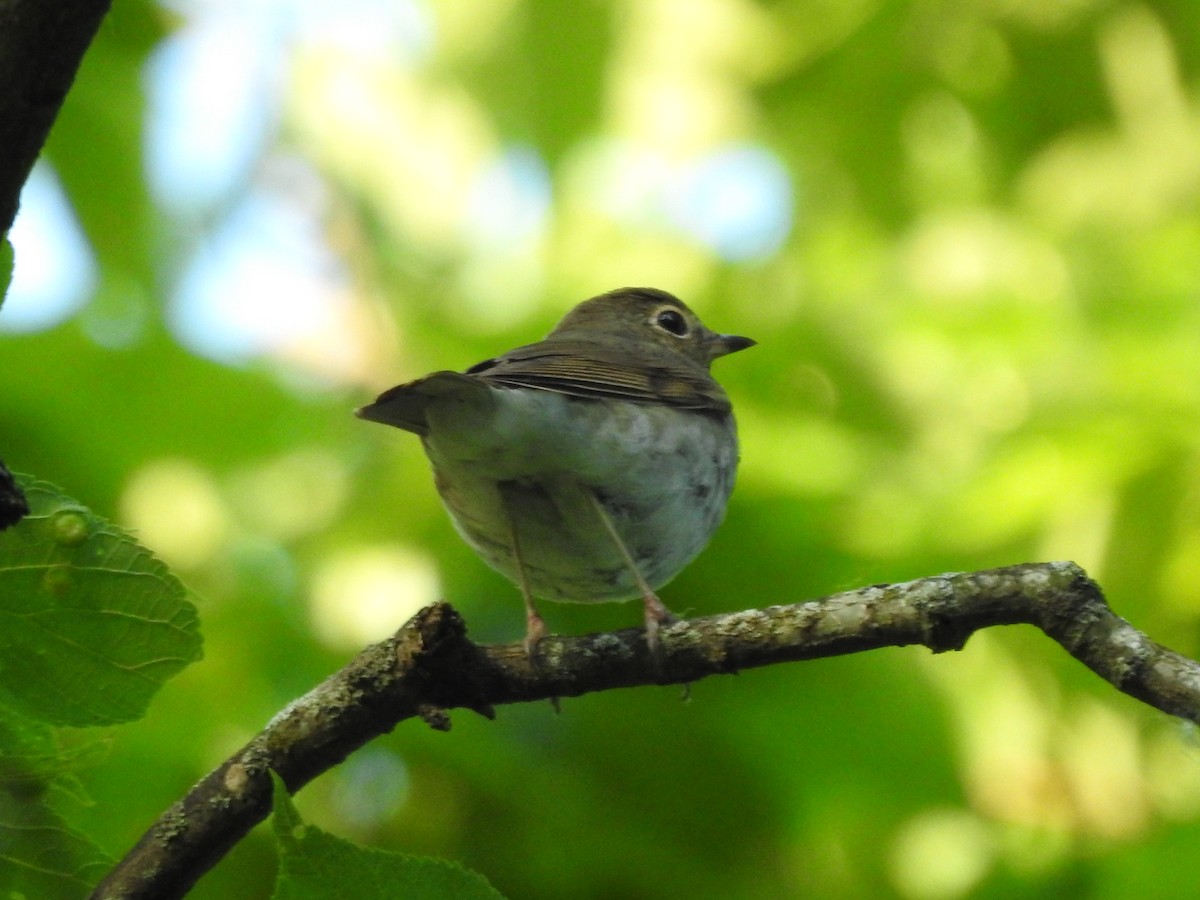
<point x="672" y="320"/>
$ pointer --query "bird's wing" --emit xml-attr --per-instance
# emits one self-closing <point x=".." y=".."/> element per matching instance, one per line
<point x="585" y="369"/>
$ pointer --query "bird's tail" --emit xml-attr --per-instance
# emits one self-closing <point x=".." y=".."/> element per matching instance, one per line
<point x="405" y="405"/>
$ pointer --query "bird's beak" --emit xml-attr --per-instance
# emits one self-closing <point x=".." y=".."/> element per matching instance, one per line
<point x="724" y="344"/>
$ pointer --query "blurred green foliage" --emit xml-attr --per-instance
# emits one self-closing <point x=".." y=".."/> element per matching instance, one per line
<point x="978" y="346"/>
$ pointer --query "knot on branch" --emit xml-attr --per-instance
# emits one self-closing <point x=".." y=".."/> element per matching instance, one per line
<point x="440" y="666"/>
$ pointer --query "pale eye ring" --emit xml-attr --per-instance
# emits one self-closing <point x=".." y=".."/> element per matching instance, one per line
<point x="671" y="321"/>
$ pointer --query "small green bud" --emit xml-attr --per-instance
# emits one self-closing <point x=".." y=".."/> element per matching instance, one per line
<point x="70" y="528"/>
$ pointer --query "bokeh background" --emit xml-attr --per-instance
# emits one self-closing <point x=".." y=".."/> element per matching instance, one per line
<point x="966" y="235"/>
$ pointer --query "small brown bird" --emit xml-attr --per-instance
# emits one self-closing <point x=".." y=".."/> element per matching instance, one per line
<point x="593" y="465"/>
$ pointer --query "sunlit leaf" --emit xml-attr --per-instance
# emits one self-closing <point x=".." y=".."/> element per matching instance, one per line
<point x="316" y="865"/>
<point x="6" y="267"/>
<point x="91" y="623"/>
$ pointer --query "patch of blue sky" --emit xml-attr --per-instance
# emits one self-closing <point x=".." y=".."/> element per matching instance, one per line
<point x="399" y="31"/>
<point x="264" y="279"/>
<point x="261" y="275"/>
<point x="510" y="200"/>
<point x="214" y="86"/>
<point x="54" y="271"/>
<point x="737" y="200"/>
<point x="212" y="91"/>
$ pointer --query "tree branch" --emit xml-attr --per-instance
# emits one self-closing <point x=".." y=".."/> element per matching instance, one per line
<point x="41" y="46"/>
<point x="429" y="666"/>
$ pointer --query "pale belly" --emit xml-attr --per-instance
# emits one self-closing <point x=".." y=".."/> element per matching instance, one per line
<point x="663" y="476"/>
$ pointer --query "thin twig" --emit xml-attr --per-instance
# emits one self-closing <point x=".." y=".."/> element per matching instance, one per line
<point x="429" y="667"/>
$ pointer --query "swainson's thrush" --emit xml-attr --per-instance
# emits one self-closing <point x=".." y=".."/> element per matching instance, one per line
<point x="593" y="465"/>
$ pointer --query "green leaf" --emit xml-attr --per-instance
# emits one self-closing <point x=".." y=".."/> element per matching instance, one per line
<point x="6" y="267"/>
<point x="40" y="856"/>
<point x="91" y="623"/>
<point x="315" y="865"/>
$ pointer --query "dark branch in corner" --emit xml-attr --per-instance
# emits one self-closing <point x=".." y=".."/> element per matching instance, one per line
<point x="41" y="46"/>
<point x="429" y="667"/>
